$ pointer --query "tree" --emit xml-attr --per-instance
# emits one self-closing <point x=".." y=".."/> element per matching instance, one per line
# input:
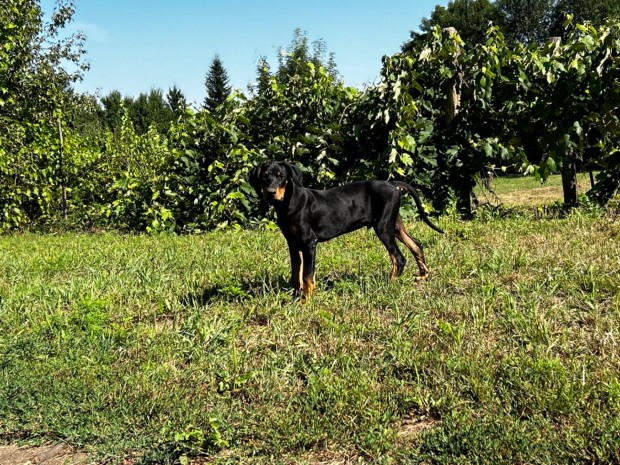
<point x="83" y="114"/>
<point x="527" y="21"/>
<point x="217" y="84"/>
<point x="292" y="60"/>
<point x="151" y="110"/>
<point x="112" y="110"/>
<point x="148" y="109"/>
<point x="522" y="21"/>
<point x="38" y="65"/>
<point x="263" y="76"/>
<point x="596" y="12"/>
<point x="34" y="61"/>
<point x="471" y="18"/>
<point x="176" y="101"/>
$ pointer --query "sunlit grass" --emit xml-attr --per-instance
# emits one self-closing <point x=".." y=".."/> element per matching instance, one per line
<point x="527" y="191"/>
<point x="155" y="347"/>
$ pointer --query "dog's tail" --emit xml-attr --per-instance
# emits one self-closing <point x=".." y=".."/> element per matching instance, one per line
<point x="416" y="198"/>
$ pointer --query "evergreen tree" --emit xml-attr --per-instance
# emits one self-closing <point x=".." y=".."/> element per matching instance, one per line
<point x="112" y="110"/>
<point x="176" y="101"/>
<point x="150" y="110"/>
<point x="217" y="84"/>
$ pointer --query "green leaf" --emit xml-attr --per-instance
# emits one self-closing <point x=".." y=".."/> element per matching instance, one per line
<point x="488" y="150"/>
<point x="407" y="143"/>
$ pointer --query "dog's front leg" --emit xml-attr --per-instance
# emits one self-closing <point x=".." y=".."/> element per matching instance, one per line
<point x="308" y="264"/>
<point x="296" y="267"/>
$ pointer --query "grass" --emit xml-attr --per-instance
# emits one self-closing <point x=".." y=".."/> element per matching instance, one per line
<point x="526" y="190"/>
<point x="148" y="350"/>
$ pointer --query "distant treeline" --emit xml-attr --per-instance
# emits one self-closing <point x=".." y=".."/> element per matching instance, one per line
<point x="445" y="111"/>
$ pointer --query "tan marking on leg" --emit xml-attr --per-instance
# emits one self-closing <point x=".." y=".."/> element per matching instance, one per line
<point x="300" y="271"/>
<point x="297" y="266"/>
<point x="394" y="271"/>
<point x="416" y="250"/>
<point x="308" y="289"/>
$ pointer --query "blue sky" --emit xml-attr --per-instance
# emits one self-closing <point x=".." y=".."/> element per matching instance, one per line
<point x="135" y="45"/>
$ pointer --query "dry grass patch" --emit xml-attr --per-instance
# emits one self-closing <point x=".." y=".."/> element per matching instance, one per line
<point x="59" y="454"/>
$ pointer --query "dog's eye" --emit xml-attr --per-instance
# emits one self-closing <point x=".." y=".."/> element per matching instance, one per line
<point x="280" y="174"/>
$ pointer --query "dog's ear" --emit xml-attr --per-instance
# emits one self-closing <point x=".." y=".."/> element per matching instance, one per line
<point x="293" y="173"/>
<point x="255" y="175"/>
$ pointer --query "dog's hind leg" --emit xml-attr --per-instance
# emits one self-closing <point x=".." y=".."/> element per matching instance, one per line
<point x="398" y="259"/>
<point x="414" y="246"/>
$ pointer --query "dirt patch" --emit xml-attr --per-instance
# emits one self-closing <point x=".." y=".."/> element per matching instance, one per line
<point x="411" y="428"/>
<point x="58" y="454"/>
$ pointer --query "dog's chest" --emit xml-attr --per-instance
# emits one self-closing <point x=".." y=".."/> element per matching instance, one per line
<point x="294" y="232"/>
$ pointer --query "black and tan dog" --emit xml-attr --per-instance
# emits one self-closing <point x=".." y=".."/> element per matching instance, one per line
<point x="307" y="217"/>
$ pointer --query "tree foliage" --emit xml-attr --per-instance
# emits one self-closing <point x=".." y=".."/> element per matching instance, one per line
<point x="595" y="12"/>
<point x="521" y="21"/>
<point x="527" y="21"/>
<point x="530" y="107"/>
<point x="37" y="65"/>
<point x="444" y="111"/>
<point x="149" y="109"/>
<point x="292" y="59"/>
<point x="176" y="101"/>
<point x="217" y="83"/>
<point x="471" y="18"/>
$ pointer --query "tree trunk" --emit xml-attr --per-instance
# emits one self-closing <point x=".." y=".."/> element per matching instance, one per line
<point x="464" y="190"/>
<point x="63" y="183"/>
<point x="464" y="204"/>
<point x="569" y="180"/>
<point x="452" y="87"/>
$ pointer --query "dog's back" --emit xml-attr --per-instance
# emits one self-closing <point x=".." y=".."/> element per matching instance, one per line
<point x="345" y="208"/>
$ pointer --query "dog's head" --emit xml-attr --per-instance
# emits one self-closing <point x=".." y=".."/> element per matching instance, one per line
<point x="271" y="178"/>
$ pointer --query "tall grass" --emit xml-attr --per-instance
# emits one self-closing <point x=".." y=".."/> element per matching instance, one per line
<point x="159" y="348"/>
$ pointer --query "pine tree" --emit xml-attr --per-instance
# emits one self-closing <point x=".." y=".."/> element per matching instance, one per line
<point x="217" y="84"/>
<point x="176" y="100"/>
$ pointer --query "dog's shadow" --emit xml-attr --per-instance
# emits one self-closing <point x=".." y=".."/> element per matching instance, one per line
<point x="262" y="287"/>
<point x="238" y="290"/>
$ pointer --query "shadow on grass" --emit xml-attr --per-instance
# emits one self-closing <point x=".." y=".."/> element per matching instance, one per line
<point x="263" y="286"/>
<point x="238" y="290"/>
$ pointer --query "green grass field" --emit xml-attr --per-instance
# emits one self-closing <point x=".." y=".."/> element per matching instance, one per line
<point x="144" y="350"/>
<point x="527" y="191"/>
